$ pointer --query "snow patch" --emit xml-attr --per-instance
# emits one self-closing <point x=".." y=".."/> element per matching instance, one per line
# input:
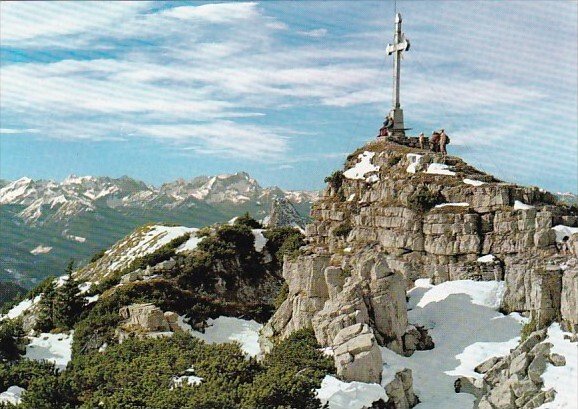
<point x="12" y="395"/>
<point x="522" y="206"/>
<point x="456" y="323"/>
<point x="20" y="308"/>
<point x="149" y="240"/>
<point x="192" y="380"/>
<point x="40" y="250"/>
<point x="363" y="167"/>
<point x="474" y="182"/>
<point x="414" y="161"/>
<point x="485" y="293"/>
<point x="372" y="179"/>
<point x="76" y="238"/>
<point x="228" y="329"/>
<point x="562" y="378"/>
<point x="260" y="239"/>
<point x="439" y="169"/>
<point x="460" y="204"/>
<point x="349" y="395"/>
<point x="54" y="348"/>
<point x="564" y="231"/>
<point x="191" y="243"/>
<point x="488" y="258"/>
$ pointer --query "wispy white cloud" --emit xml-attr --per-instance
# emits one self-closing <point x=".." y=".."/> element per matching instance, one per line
<point x="316" y="33"/>
<point x="9" y="131"/>
<point x="201" y="71"/>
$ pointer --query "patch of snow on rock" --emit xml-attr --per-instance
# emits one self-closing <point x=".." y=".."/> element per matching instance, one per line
<point x="564" y="231"/>
<point x="54" y="348"/>
<point x="478" y="352"/>
<point x="488" y="258"/>
<point x="363" y="167"/>
<point x="148" y="241"/>
<point x="192" y="380"/>
<point x="228" y="329"/>
<point x="522" y="206"/>
<point x="191" y="243"/>
<point x="474" y="182"/>
<point x="562" y="378"/>
<point x="372" y="179"/>
<point x="456" y="322"/>
<point x="486" y="293"/>
<point x="40" y="250"/>
<point x="439" y="169"/>
<point x="20" y="308"/>
<point x="12" y="395"/>
<point x="349" y="395"/>
<point x="460" y="204"/>
<point x="414" y="161"/>
<point x="260" y="239"/>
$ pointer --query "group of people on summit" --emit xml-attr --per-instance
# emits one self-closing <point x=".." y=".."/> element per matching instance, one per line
<point x="437" y="142"/>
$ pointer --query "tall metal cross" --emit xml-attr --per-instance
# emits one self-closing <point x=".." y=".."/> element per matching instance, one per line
<point x="400" y="44"/>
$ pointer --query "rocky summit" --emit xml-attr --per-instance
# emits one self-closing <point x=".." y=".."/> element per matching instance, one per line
<point x="396" y="214"/>
<point x="419" y="282"/>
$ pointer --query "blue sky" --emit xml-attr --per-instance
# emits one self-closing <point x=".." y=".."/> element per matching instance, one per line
<point x="282" y="90"/>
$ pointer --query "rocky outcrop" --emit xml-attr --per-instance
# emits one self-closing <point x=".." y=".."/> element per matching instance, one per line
<point x="330" y="299"/>
<point x="397" y="214"/>
<point x="400" y="391"/>
<point x="146" y="320"/>
<point x="569" y="298"/>
<point x="283" y="213"/>
<point x="357" y="355"/>
<point x="534" y="288"/>
<point x="514" y="381"/>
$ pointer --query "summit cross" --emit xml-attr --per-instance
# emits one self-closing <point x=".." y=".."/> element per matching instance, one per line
<point x="400" y="44"/>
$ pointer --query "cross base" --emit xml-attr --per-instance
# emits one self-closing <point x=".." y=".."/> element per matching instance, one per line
<point x="398" y="127"/>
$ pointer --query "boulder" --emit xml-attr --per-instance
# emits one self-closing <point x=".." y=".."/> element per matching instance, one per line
<point x="400" y="391"/>
<point x="357" y="355"/>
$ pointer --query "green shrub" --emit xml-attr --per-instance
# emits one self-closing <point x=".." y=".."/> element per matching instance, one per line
<point x="335" y="180"/>
<point x="11" y="334"/>
<point x="247" y="220"/>
<point x="342" y="230"/>
<point x="283" y="241"/>
<point x="60" y="307"/>
<point x="527" y="329"/>
<point x="393" y="160"/>
<point x="423" y="199"/>
<point x="98" y="255"/>
<point x="281" y="295"/>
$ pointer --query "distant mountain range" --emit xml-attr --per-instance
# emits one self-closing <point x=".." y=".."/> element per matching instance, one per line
<point x="45" y="223"/>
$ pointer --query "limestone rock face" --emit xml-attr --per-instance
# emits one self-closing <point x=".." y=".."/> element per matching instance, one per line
<point x="513" y="381"/>
<point x="357" y="355"/>
<point x="413" y="215"/>
<point x="569" y="303"/>
<point x="534" y="289"/>
<point x="329" y="299"/>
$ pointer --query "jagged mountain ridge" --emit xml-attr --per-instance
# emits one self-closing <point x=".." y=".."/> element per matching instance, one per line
<point x="48" y="201"/>
<point x="83" y="215"/>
